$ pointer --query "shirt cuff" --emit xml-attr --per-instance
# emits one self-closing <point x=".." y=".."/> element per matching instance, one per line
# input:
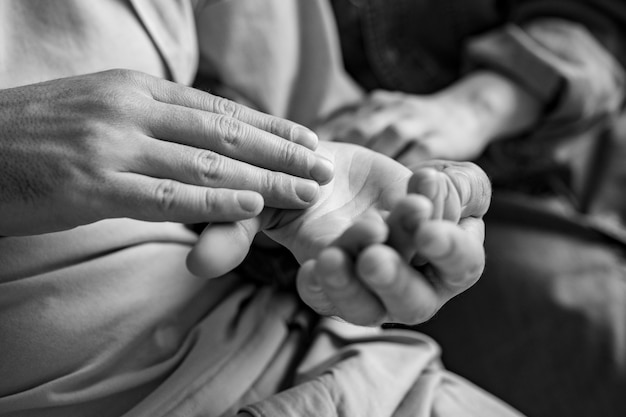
<point x="561" y="64"/>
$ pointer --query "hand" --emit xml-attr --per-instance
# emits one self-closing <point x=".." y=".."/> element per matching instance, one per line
<point x="363" y="180"/>
<point x="404" y="269"/>
<point x="348" y="225"/>
<point x="409" y="128"/>
<point x="125" y="144"/>
<point x="456" y="123"/>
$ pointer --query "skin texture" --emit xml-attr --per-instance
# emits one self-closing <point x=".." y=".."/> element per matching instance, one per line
<point x="456" y="123"/>
<point x="384" y="243"/>
<point x="124" y="144"/>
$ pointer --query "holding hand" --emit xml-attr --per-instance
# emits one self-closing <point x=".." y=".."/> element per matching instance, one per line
<point x="456" y="123"/>
<point x="409" y="128"/>
<point x="124" y="144"/>
<point x="403" y="267"/>
<point x="382" y="243"/>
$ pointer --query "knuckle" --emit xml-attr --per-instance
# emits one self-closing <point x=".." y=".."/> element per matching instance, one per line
<point x="290" y="155"/>
<point x="210" y="202"/>
<point x="475" y="184"/>
<point x="229" y="131"/>
<point x="208" y="167"/>
<point x="125" y="76"/>
<point x="225" y="107"/>
<point x="484" y="188"/>
<point x="277" y="186"/>
<point x="282" y="128"/>
<point x="292" y="131"/>
<point x="271" y="183"/>
<point x="111" y="100"/>
<point x="165" y="196"/>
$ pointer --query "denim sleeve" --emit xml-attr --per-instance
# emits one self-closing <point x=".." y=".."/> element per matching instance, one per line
<point x="579" y="81"/>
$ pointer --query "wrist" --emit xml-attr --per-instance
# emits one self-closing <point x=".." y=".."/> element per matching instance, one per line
<point x="500" y="107"/>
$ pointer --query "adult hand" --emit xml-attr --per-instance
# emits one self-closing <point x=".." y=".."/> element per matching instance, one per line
<point x="124" y="144"/>
<point x="423" y="230"/>
<point x="457" y="123"/>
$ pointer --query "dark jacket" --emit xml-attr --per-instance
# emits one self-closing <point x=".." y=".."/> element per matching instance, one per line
<point x="570" y="54"/>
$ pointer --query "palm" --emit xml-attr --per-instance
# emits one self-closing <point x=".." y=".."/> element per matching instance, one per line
<point x="363" y="180"/>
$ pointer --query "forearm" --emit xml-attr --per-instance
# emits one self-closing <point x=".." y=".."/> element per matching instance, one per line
<point x="560" y="63"/>
<point x="501" y="107"/>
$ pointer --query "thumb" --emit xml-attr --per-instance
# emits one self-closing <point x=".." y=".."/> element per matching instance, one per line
<point x="222" y="247"/>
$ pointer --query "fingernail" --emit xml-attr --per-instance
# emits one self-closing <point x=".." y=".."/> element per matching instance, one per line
<point x="250" y="201"/>
<point x="323" y="170"/>
<point x="306" y="190"/>
<point x="305" y="137"/>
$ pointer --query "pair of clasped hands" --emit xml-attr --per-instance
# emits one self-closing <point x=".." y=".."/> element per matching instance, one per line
<point x="377" y="241"/>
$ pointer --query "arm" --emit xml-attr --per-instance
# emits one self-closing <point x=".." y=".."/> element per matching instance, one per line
<point x="456" y="123"/>
<point x="573" y="71"/>
<point x="553" y="70"/>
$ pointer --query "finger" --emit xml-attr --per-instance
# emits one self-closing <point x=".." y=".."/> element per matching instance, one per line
<point x="406" y="135"/>
<point x="352" y="301"/>
<point x="388" y="142"/>
<point x="405" y="293"/>
<point x="455" y="253"/>
<point x="151" y="199"/>
<point x="473" y="187"/>
<point x="470" y="182"/>
<point x="209" y="169"/>
<point x="311" y="292"/>
<point x="346" y="127"/>
<point x="337" y="123"/>
<point x="234" y="138"/>
<point x="415" y="151"/>
<point x="222" y="247"/>
<point x="373" y="121"/>
<point x="369" y="121"/>
<point x="179" y="95"/>
<point x="438" y="187"/>
<point x="368" y="229"/>
<point x="404" y="220"/>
